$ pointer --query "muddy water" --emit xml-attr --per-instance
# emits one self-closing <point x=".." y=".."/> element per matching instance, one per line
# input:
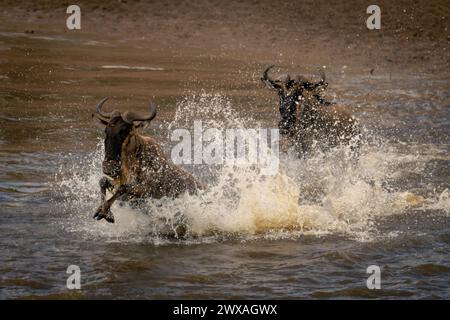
<point x="308" y="232"/>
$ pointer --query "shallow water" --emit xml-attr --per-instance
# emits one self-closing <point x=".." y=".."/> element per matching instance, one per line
<point x="308" y="232"/>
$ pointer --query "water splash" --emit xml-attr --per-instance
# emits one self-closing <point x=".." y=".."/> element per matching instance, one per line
<point x="326" y="194"/>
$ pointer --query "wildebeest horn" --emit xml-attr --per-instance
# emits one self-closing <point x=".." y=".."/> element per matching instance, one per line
<point x="265" y="73"/>
<point x="105" y="115"/>
<point x="130" y="116"/>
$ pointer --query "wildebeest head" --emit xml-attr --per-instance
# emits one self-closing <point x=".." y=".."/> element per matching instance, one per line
<point x="313" y="87"/>
<point x="299" y="84"/>
<point x="118" y="127"/>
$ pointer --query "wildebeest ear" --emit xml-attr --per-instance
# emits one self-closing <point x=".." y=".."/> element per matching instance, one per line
<point x="100" y="120"/>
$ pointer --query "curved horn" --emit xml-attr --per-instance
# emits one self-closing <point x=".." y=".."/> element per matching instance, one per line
<point x="130" y="116"/>
<point x="265" y="73"/>
<point x="99" y="111"/>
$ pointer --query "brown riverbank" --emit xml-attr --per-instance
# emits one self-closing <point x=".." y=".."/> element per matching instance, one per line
<point x="414" y="36"/>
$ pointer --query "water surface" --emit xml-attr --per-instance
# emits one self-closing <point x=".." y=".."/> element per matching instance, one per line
<point x="309" y="232"/>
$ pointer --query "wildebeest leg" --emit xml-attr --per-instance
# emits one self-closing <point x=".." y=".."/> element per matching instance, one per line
<point x="105" y="184"/>
<point x="104" y="210"/>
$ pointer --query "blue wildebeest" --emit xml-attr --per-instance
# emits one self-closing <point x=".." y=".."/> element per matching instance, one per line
<point x="322" y="125"/>
<point x="135" y="164"/>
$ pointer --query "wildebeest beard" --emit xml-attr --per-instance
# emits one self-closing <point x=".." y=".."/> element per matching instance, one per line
<point x="116" y="132"/>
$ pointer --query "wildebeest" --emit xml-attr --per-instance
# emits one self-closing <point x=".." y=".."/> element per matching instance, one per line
<point x="136" y="164"/>
<point x="321" y="125"/>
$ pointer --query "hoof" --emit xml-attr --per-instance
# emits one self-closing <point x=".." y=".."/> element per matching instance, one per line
<point x="99" y="215"/>
<point x="109" y="217"/>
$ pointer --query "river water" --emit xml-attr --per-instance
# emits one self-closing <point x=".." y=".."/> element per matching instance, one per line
<point x="309" y="231"/>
